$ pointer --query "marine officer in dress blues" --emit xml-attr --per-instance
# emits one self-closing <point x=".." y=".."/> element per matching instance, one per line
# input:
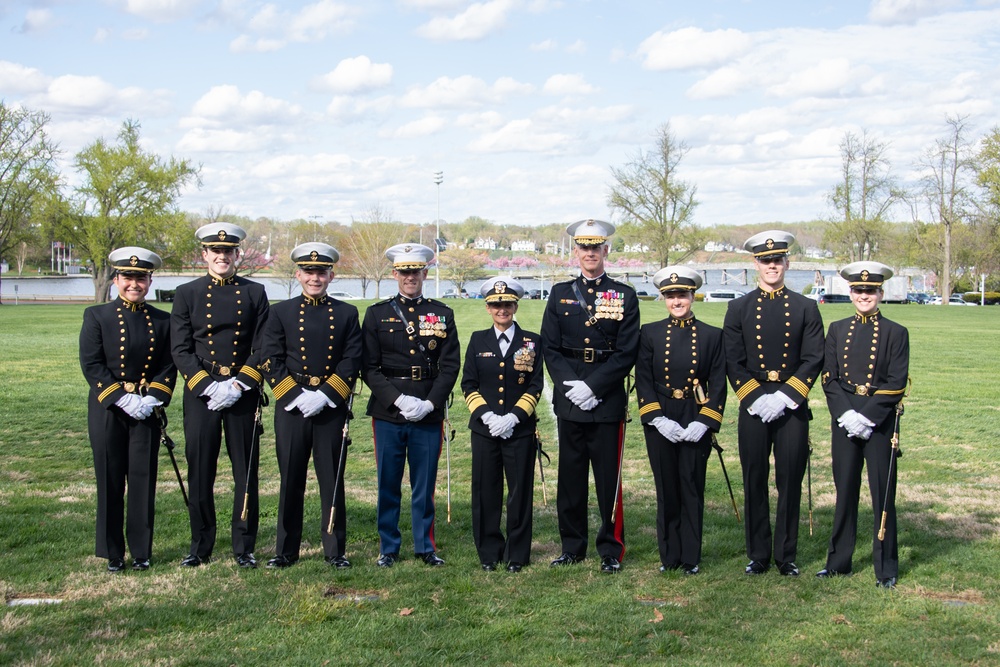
<point x="590" y="337"/>
<point x="311" y="357"/>
<point x="216" y="333"/>
<point x="125" y="357"/>
<point x="865" y="375"/>
<point x="680" y="382"/>
<point x="410" y="362"/>
<point x="774" y="353"/>
<point x="502" y="380"/>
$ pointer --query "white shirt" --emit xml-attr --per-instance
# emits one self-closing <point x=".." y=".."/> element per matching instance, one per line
<point x="504" y="346"/>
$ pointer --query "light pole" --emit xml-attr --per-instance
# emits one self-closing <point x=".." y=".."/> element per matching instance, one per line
<point x="316" y="224"/>
<point x="438" y="179"/>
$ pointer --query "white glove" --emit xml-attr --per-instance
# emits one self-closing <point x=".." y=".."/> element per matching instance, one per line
<point x="133" y="406"/>
<point x="218" y="395"/>
<point x="295" y="403"/>
<point x="312" y="403"/>
<point x="768" y="407"/>
<point x="509" y="422"/>
<point x="235" y="394"/>
<point x="579" y="392"/>
<point x="488" y="417"/>
<point x="421" y="410"/>
<point x="668" y="428"/>
<point x="694" y="432"/>
<point x="152" y="401"/>
<point x="856" y="425"/>
<point x="788" y="403"/>
<point x="407" y="404"/>
<point x="590" y="404"/>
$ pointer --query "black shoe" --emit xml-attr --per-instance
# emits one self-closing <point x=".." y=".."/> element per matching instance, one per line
<point x="756" y="567"/>
<point x="610" y="565"/>
<point x="566" y="558"/>
<point x="515" y="567"/>
<point x="490" y="567"/>
<point x="669" y="568"/>
<point x="247" y="561"/>
<point x="827" y="573"/>
<point x="192" y="561"/>
<point x="689" y="569"/>
<point x="276" y="563"/>
<point x="116" y="564"/>
<point x="387" y="560"/>
<point x="431" y="559"/>
<point x="788" y="569"/>
<point x="888" y="582"/>
<point x="141" y="564"/>
<point x="340" y="562"/>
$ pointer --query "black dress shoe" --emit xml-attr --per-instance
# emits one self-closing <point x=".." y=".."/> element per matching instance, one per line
<point x="514" y="568"/>
<point x="610" y="565"/>
<point x="490" y="567"/>
<point x="756" y="567"/>
<point x="278" y="563"/>
<point x="387" y="560"/>
<point x="788" y="569"/>
<point x="340" y="562"/>
<point x="888" y="582"/>
<point x="827" y="572"/>
<point x="191" y="561"/>
<point x="247" y="561"/>
<point x="689" y="569"/>
<point x="116" y="564"/>
<point x="431" y="559"/>
<point x="141" y="564"/>
<point x="566" y="558"/>
<point x="669" y="568"/>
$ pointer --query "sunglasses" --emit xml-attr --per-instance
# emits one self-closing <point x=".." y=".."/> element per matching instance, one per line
<point x="408" y="272"/>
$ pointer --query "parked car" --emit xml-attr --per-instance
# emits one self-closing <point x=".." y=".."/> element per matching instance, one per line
<point x="454" y="294"/>
<point x="537" y="294"/>
<point x="834" y="298"/>
<point x="343" y="296"/>
<point x="718" y="295"/>
<point x="918" y="297"/>
<point x="953" y="300"/>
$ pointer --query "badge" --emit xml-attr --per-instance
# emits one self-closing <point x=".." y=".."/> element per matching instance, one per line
<point x="432" y="344"/>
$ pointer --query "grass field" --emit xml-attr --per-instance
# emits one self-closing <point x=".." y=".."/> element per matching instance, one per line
<point x="944" y="611"/>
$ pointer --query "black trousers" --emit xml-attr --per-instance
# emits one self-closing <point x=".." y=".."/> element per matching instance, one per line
<point x="494" y="459"/>
<point x="296" y="439"/>
<point x="679" y="473"/>
<point x="789" y="436"/>
<point x="203" y="432"/>
<point x="582" y="445"/>
<point x="849" y="455"/>
<point x="125" y="451"/>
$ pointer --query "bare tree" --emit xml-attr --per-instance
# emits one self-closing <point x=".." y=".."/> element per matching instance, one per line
<point x="364" y="256"/>
<point x="648" y="194"/>
<point x="863" y="198"/>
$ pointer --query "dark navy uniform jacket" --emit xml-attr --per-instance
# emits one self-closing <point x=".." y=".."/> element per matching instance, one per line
<point x="312" y="344"/>
<point x="389" y="350"/>
<point x="217" y="324"/>
<point x="503" y="384"/>
<point x="675" y="356"/>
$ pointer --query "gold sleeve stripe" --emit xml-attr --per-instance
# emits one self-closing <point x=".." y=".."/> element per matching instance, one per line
<point x="526" y="403"/>
<point x="474" y="401"/>
<point x="711" y="414"/>
<point x="162" y="387"/>
<point x="649" y="407"/>
<point x="339" y="385"/>
<point x="890" y="392"/>
<point x="107" y="392"/>
<point x="252" y="372"/>
<point x="196" y="378"/>
<point x="283" y="387"/>
<point x="799" y="386"/>
<point x="750" y="386"/>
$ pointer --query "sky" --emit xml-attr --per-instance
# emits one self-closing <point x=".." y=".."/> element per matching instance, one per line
<point x="326" y="109"/>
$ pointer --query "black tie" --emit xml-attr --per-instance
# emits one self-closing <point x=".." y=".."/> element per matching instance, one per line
<point x="503" y="338"/>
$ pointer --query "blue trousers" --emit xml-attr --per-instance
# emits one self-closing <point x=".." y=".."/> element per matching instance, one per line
<point x="395" y="445"/>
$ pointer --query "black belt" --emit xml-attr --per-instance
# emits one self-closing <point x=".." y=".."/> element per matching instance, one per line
<point x="219" y="369"/>
<point x="771" y="376"/>
<point x="858" y="389"/>
<point x="588" y="354"/>
<point x="415" y="373"/>
<point x="308" y="380"/>
<point x="670" y="392"/>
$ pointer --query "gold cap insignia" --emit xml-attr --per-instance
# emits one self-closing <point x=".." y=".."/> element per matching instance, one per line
<point x="499" y="287"/>
<point x="407" y="248"/>
<point x="769" y="243"/>
<point x="222" y="234"/>
<point x="864" y="275"/>
<point x="313" y="255"/>
<point x="673" y="277"/>
<point x="133" y="260"/>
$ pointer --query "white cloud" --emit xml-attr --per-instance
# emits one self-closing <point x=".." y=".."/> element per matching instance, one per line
<point x="135" y="34"/>
<point x="226" y="106"/>
<point x="36" y="21"/>
<point x="344" y="108"/>
<point x="81" y="92"/>
<point x="887" y="12"/>
<point x="544" y="45"/>
<point x="18" y="79"/>
<point x="829" y="77"/>
<point x="476" y="22"/>
<point x="463" y="91"/>
<point x="568" y="84"/>
<point x="521" y="135"/>
<point x="422" y="127"/>
<point x="272" y="27"/>
<point x="355" y="74"/>
<point x="161" y="10"/>
<point x="222" y="140"/>
<point x="247" y="44"/>
<point x="690" y="48"/>
<point x="577" y="48"/>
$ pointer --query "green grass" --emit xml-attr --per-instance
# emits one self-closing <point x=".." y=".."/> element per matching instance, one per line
<point x="942" y="613"/>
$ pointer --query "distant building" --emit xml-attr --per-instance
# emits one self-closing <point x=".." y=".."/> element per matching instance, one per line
<point x="485" y="244"/>
<point x="818" y="253"/>
<point x="523" y="246"/>
<point x="636" y="247"/>
<point x="719" y="246"/>
<point x="553" y="248"/>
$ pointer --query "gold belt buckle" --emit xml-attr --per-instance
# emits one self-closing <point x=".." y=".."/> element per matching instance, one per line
<point x="416" y="373"/>
<point x="224" y="371"/>
<point x="314" y="381"/>
<point x="678" y="393"/>
<point x="129" y="387"/>
<point x="861" y="390"/>
<point x="772" y="376"/>
<point x="588" y="355"/>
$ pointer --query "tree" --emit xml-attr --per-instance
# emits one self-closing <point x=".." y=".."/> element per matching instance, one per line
<point x="462" y="266"/>
<point x="127" y="196"/>
<point x="27" y="175"/>
<point x="648" y="193"/>
<point x="365" y="247"/>
<point x="864" y="196"/>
